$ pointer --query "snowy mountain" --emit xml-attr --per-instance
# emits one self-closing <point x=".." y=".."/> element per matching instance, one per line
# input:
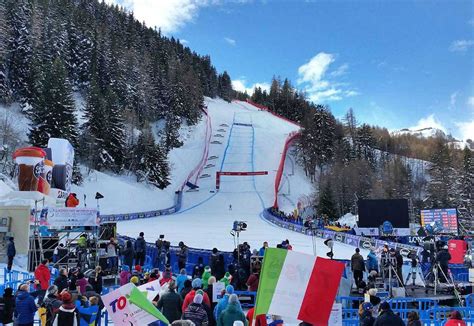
<point x="423" y="132"/>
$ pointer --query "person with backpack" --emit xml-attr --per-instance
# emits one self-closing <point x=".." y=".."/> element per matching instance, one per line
<point x="67" y="314"/>
<point x="7" y="306"/>
<point x="11" y="252"/>
<point x="51" y="304"/>
<point x="88" y="310"/>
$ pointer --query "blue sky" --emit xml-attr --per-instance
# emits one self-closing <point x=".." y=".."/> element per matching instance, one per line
<point x="398" y="64"/>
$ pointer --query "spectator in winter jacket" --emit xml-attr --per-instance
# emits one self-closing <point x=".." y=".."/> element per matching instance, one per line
<point x="413" y="319"/>
<point x="222" y="305"/>
<point x="219" y="270"/>
<point x="260" y="320"/>
<point x="124" y="275"/>
<point x="195" y="311"/>
<point x="186" y="289"/>
<point x="214" y="259"/>
<point x="167" y="276"/>
<point x="261" y="252"/>
<point x="210" y="291"/>
<point x="374" y="299"/>
<point x="443" y="257"/>
<point x="180" y="279"/>
<point x="62" y="281"/>
<point x="182" y="255"/>
<point x="198" y="268"/>
<point x="8" y="303"/>
<point x="81" y="283"/>
<point x="43" y="276"/>
<point x="128" y="255"/>
<point x="96" y="280"/>
<point x="140" y="249"/>
<point x="170" y="303"/>
<point x="232" y="313"/>
<point x="112" y="254"/>
<point x="387" y="317"/>
<point x="372" y="262"/>
<point x="357" y="266"/>
<point x="227" y="279"/>
<point x="25" y="307"/>
<point x="197" y="285"/>
<point x="455" y="319"/>
<point x="11" y="252"/>
<point x="205" y="277"/>
<point x="88" y="310"/>
<point x="252" y="281"/>
<point x="71" y="200"/>
<point x="67" y="314"/>
<point x="51" y="303"/>
<point x="365" y="314"/>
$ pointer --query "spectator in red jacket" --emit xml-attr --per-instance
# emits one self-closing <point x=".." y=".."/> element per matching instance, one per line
<point x="252" y="281"/>
<point x="42" y="277"/>
<point x="197" y="285"/>
<point x="455" y="319"/>
<point x="71" y="200"/>
<point x="260" y="320"/>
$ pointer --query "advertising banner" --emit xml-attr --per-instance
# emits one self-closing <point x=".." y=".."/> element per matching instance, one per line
<point x="129" y="306"/>
<point x="152" y="289"/>
<point x="65" y="216"/>
<point x="352" y="240"/>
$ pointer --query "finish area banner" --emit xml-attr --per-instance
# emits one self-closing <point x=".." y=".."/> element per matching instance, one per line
<point x="61" y="217"/>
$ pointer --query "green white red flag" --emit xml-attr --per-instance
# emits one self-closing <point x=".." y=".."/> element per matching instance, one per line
<point x="296" y="285"/>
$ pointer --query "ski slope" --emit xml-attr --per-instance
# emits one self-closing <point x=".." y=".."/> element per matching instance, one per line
<point x="250" y="140"/>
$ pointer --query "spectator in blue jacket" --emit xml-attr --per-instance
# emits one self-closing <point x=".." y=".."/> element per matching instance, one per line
<point x="88" y="310"/>
<point x="261" y="252"/>
<point x="25" y="307"/>
<point x="372" y="262"/>
<point x="182" y="277"/>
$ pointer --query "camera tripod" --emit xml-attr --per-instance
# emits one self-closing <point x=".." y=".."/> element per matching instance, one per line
<point x="435" y="273"/>
<point x="389" y="268"/>
<point x="414" y="271"/>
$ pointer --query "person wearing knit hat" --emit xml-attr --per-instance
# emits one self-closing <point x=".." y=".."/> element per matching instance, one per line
<point x="135" y="280"/>
<point x="205" y="277"/>
<point x="181" y="278"/>
<point x="210" y="290"/>
<point x="232" y="312"/>
<point x="224" y="301"/>
<point x="195" y="311"/>
<point x="227" y="279"/>
<point x="365" y="314"/>
<point x="67" y="314"/>
<point x="170" y="303"/>
<point x="387" y="316"/>
<point x="196" y="284"/>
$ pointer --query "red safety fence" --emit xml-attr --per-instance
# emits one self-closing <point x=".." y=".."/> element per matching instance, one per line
<point x="200" y="166"/>
<point x="289" y="140"/>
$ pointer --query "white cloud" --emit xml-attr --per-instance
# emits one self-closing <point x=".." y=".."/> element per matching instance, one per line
<point x="429" y="122"/>
<point x="466" y="129"/>
<point x="341" y="70"/>
<point x="453" y="99"/>
<point x="470" y="102"/>
<point x="461" y="45"/>
<point x="320" y="85"/>
<point x="169" y="15"/>
<point x="241" y="86"/>
<point x="230" y="41"/>
<point x="184" y="42"/>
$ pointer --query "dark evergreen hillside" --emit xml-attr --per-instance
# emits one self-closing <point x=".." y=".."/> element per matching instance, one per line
<point x="128" y="74"/>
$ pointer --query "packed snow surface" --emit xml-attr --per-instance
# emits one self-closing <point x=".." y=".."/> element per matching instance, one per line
<point x="252" y="140"/>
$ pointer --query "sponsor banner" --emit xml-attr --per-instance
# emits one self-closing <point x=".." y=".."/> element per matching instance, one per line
<point x="62" y="217"/>
<point x="375" y="231"/>
<point x="340" y="237"/>
<point x="328" y="234"/>
<point x="352" y="240"/>
<point x="129" y="306"/>
<point x="366" y="243"/>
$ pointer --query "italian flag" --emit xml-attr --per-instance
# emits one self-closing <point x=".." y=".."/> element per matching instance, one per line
<point x="297" y="285"/>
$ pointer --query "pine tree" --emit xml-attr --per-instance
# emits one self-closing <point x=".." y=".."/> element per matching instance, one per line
<point x="171" y="136"/>
<point x="467" y="181"/>
<point x="326" y="205"/>
<point x="52" y="113"/>
<point x="224" y="89"/>
<point x="442" y="176"/>
<point x="152" y="165"/>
